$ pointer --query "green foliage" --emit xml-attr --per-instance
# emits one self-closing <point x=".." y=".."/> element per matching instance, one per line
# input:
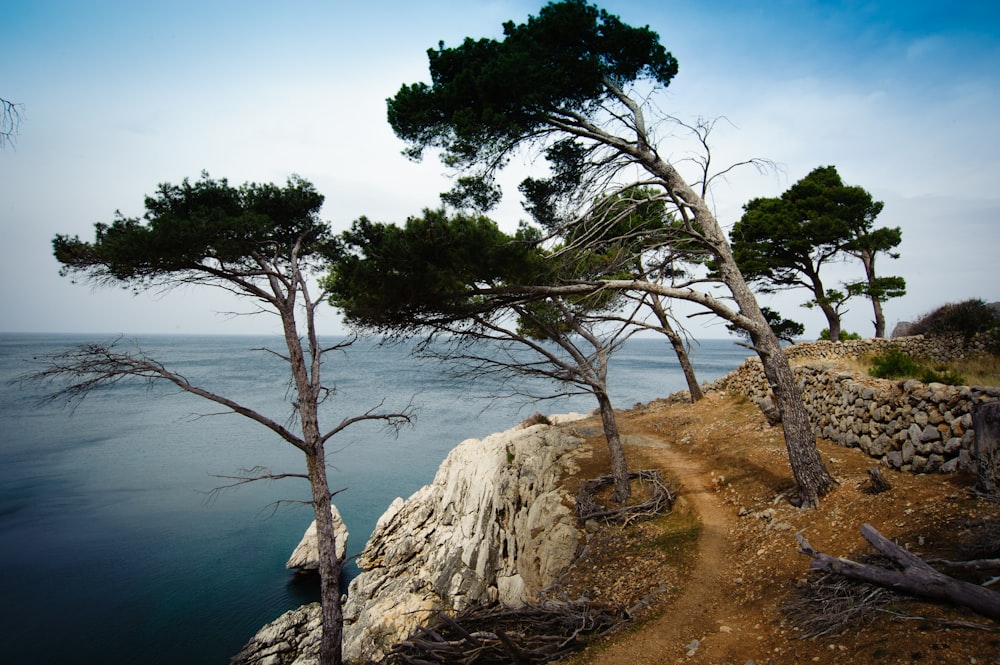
<point x="388" y="276"/>
<point x="191" y="226"/>
<point x="784" y="329"/>
<point x="844" y="335"/>
<point x="895" y="364"/>
<point x="784" y="242"/>
<point x="967" y="318"/>
<point x="882" y="288"/>
<point x="488" y="96"/>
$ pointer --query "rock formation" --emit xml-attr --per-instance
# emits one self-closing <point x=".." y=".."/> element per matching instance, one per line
<point x="306" y="554"/>
<point x="492" y="526"/>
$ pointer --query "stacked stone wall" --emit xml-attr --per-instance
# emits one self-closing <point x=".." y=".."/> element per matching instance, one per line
<point x="908" y="425"/>
<point x="932" y="348"/>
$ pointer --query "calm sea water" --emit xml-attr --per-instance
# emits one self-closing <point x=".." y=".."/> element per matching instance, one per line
<point x="113" y="551"/>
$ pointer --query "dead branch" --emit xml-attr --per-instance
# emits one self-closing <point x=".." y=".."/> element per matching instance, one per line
<point x="829" y="605"/>
<point x="10" y="121"/>
<point x="912" y="575"/>
<point x="495" y="634"/>
<point x="661" y="499"/>
<point x="876" y="483"/>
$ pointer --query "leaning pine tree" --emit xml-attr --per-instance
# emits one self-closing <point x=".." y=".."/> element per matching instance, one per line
<point x="260" y="242"/>
<point x="570" y="82"/>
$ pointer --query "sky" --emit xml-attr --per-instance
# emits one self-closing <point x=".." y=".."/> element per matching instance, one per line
<point x="118" y="97"/>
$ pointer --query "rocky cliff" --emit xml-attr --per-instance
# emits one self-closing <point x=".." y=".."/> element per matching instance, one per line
<point x="492" y="526"/>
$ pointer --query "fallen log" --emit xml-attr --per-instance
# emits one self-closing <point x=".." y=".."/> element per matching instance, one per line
<point x="915" y="577"/>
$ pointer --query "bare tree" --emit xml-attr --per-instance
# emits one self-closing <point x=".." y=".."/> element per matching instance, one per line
<point x="10" y="121"/>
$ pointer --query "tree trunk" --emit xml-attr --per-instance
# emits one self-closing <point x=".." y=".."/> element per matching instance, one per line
<point x="619" y="469"/>
<point x="329" y="564"/>
<point x="307" y="388"/>
<point x="869" y="263"/>
<point x="810" y="474"/>
<point x="678" y="345"/>
<point x="832" y="320"/>
<point x="685" y="361"/>
<point x="986" y="423"/>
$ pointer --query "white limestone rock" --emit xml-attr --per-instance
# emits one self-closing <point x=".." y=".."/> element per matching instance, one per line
<point x="291" y="639"/>
<point x="306" y="553"/>
<point x="493" y="525"/>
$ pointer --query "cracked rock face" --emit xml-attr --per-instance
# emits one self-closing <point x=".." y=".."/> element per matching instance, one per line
<point x="493" y="526"/>
<point x="291" y="639"/>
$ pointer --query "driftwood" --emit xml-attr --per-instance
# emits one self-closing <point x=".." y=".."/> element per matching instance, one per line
<point x="877" y="482"/>
<point x="986" y="423"/>
<point x="660" y="498"/>
<point x="495" y="635"/>
<point x="913" y="577"/>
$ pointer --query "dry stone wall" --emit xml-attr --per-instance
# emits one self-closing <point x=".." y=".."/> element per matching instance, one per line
<point x="908" y="425"/>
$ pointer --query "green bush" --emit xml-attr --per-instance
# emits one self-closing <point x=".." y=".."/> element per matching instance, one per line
<point x="894" y="364"/>
<point x="942" y="375"/>
<point x="967" y="318"/>
<point x="844" y="335"/>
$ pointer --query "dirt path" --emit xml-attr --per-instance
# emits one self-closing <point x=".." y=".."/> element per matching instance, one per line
<point x="697" y="627"/>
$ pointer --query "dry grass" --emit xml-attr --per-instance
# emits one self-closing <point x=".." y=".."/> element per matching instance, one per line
<point x="981" y="370"/>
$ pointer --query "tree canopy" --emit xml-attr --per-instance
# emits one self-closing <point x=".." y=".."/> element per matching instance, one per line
<point x="430" y="269"/>
<point x="450" y="274"/>
<point x="488" y="96"/>
<point x="574" y="83"/>
<point x="789" y="241"/>
<point x="202" y="231"/>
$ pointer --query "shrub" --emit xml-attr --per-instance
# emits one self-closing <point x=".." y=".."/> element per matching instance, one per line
<point x="967" y="318"/>
<point x="844" y="335"/>
<point x="894" y="364"/>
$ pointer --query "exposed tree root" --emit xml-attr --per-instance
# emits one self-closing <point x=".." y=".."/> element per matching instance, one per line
<point x="498" y="635"/>
<point x="660" y="498"/>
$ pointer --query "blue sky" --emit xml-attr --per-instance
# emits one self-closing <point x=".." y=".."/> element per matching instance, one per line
<point x="120" y="96"/>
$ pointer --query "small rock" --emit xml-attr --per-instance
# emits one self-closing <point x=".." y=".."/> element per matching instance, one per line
<point x="692" y="648"/>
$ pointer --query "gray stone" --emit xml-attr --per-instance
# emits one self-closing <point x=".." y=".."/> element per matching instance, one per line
<point x="908" y="452"/>
<point x="951" y="466"/>
<point x="493" y="526"/>
<point x="930" y="433"/>
<point x="895" y="459"/>
<point x="306" y="553"/>
<point x="880" y="445"/>
<point x="291" y="639"/>
<point x="953" y="445"/>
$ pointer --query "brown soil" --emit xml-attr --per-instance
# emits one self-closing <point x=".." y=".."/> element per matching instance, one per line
<point x="708" y="582"/>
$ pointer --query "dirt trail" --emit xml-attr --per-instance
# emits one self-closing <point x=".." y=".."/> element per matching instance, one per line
<point x="696" y="627"/>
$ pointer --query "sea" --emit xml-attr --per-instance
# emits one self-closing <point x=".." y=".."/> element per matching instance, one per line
<point x="114" y="548"/>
